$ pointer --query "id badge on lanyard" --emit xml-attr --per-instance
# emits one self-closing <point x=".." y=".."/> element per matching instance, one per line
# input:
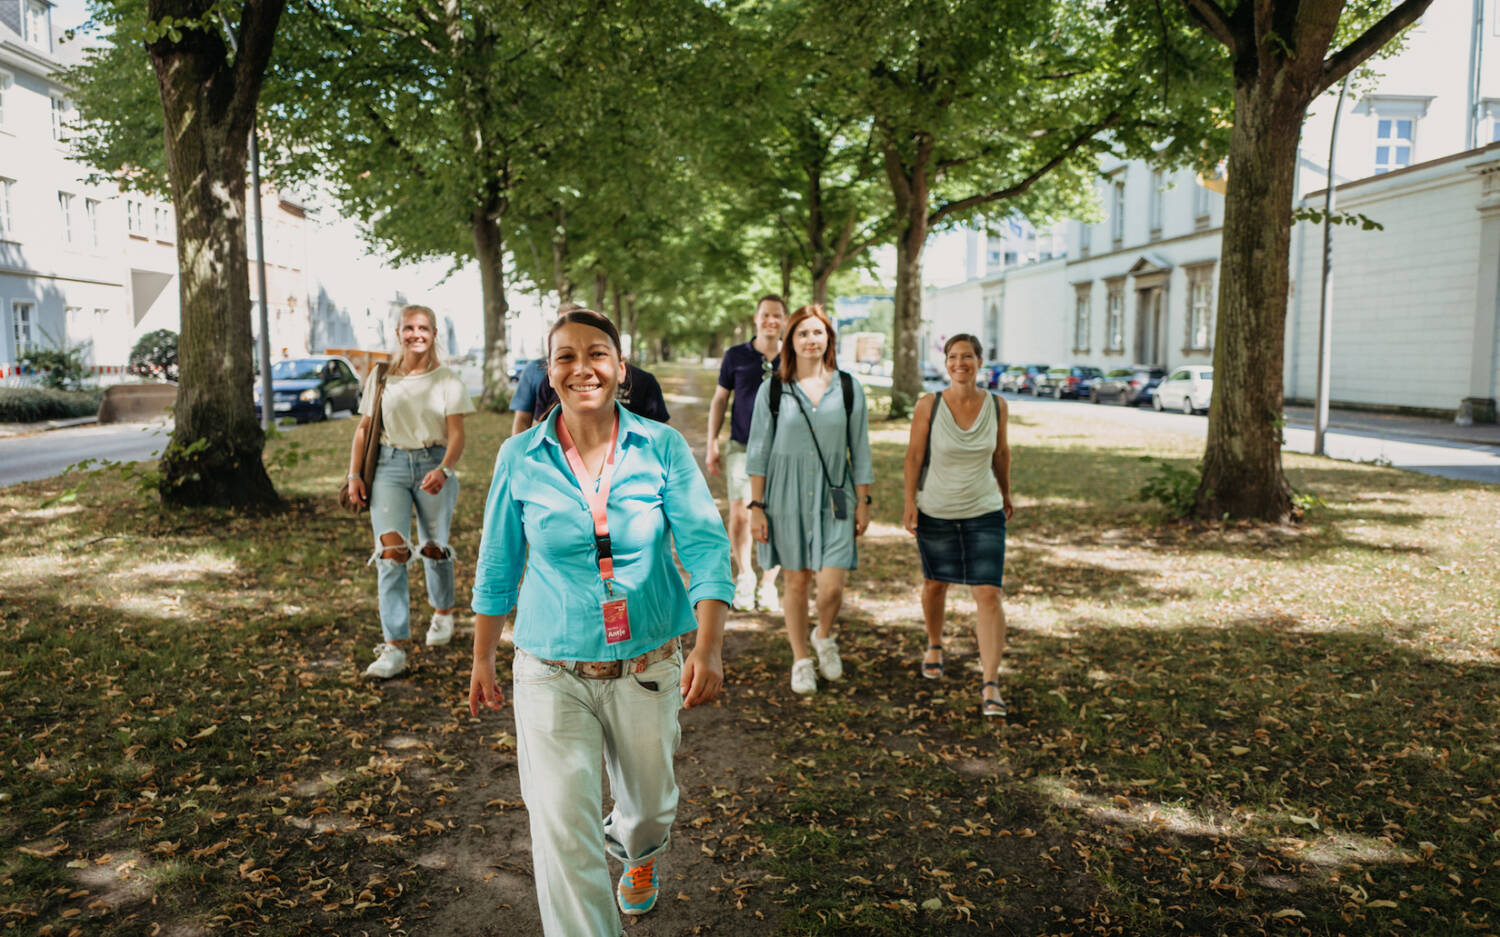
<point x="616" y="616"/>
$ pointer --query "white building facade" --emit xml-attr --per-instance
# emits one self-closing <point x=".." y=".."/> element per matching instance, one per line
<point x="1140" y="286"/>
<point x="91" y="264"/>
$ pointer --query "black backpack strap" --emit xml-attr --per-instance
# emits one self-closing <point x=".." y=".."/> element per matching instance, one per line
<point x="846" y="382"/>
<point x="775" y="401"/>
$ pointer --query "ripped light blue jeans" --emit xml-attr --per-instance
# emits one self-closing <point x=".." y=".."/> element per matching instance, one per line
<point x="397" y="489"/>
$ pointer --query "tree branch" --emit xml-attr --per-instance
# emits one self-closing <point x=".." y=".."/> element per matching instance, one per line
<point x="1348" y="58"/>
<point x="1214" y="21"/>
<point x="1020" y="188"/>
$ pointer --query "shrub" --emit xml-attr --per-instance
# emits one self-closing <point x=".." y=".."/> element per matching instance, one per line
<point x="155" y="355"/>
<point x="60" y="367"/>
<point x="1174" y="486"/>
<point x="32" y="404"/>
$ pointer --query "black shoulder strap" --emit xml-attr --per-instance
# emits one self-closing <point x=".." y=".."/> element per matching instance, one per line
<point x="927" y="452"/>
<point x="775" y="401"/>
<point x="846" y="380"/>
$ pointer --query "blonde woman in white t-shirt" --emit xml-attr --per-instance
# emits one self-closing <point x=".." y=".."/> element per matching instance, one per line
<point x="421" y="439"/>
<point x="957" y="506"/>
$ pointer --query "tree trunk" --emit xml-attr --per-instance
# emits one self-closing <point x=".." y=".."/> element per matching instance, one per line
<point x="561" y="279"/>
<point x="822" y="271"/>
<point x="615" y="302"/>
<point x="906" y="381"/>
<point x="786" y="280"/>
<point x="1242" y="474"/>
<point x="909" y="195"/>
<point x="208" y="103"/>
<point x="601" y="290"/>
<point x="630" y="323"/>
<point x="489" y="249"/>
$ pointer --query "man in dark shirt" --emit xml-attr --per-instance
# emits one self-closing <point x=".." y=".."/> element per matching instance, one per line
<point x="640" y="389"/>
<point x="740" y="374"/>
<point x="533" y="377"/>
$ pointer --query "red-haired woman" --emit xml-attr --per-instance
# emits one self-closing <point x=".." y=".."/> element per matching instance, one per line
<point x="810" y="476"/>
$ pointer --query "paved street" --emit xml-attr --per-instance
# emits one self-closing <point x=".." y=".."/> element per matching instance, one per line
<point x="42" y="455"/>
<point x="1398" y="441"/>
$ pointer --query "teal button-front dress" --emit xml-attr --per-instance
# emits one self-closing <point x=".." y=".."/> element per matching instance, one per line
<point x="804" y="532"/>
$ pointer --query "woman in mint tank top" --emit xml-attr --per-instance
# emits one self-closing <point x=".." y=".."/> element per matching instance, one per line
<point x="957" y="505"/>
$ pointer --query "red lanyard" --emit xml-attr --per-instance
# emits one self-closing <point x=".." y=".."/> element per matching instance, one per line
<point x="598" y="500"/>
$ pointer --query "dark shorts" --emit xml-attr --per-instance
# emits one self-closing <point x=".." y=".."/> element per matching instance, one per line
<point x="969" y="551"/>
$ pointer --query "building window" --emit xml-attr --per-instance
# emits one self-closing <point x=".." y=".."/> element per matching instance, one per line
<point x="1081" y="318"/>
<point x="1085" y="238"/>
<point x="1202" y="202"/>
<point x="38" y="33"/>
<point x="1114" y="320"/>
<point x="65" y="215"/>
<point x="1117" y="211"/>
<point x="1200" y="309"/>
<point x="135" y="217"/>
<point x="59" y="117"/>
<point x="91" y="219"/>
<point x="6" y="230"/>
<point x="6" y="81"/>
<point x="992" y="329"/>
<point x="1158" y="202"/>
<point x="21" y="315"/>
<point x="1394" y="141"/>
<point x="163" y="218"/>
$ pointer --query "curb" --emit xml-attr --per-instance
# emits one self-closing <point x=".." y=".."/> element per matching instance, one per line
<point x="42" y="426"/>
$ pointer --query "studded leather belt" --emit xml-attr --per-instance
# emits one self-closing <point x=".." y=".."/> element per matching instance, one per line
<point x="613" y="669"/>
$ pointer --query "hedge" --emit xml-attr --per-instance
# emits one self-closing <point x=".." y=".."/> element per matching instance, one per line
<point x="31" y="404"/>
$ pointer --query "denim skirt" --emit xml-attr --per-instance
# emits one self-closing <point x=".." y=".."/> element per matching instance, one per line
<point x="968" y="551"/>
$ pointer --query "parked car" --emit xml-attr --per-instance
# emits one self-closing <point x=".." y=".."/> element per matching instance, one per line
<point x="931" y="373"/>
<point x="1189" y="389"/>
<point x="991" y="373"/>
<point x="1074" y="381"/>
<point x="1127" y="386"/>
<point x="311" y="388"/>
<point x="1021" y="378"/>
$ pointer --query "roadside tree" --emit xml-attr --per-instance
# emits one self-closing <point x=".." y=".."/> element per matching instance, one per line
<point x="1280" y="61"/>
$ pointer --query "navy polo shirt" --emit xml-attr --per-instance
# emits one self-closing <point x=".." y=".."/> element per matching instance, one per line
<point x="740" y="373"/>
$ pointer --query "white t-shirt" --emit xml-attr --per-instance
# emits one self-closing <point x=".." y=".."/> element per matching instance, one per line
<point x="416" y="407"/>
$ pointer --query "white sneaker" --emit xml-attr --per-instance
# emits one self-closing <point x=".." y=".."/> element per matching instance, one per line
<point x="389" y="661"/>
<point x="804" y="678"/>
<point x="744" y="592"/>
<point x="440" y="632"/>
<point x="770" y="601"/>
<point x="828" y="657"/>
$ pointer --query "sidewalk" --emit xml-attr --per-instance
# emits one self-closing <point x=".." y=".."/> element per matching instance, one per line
<point x="1387" y="425"/>
<point x="27" y="429"/>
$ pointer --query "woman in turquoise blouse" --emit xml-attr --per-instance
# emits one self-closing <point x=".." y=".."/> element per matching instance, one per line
<point x="810" y="479"/>
<point x="583" y="504"/>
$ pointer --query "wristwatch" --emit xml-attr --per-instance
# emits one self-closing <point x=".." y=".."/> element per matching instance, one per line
<point x="447" y="472"/>
<point x="869" y="500"/>
<point x="757" y="504"/>
<point x="352" y="476"/>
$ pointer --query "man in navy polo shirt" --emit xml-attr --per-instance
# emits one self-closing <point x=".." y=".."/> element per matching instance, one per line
<point x="740" y="374"/>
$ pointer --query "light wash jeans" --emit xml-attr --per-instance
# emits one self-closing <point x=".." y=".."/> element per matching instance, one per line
<point x="397" y="489"/>
<point x="565" y="727"/>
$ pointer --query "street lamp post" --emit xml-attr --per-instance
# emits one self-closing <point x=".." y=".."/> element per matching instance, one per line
<point x="1325" y="306"/>
<point x="267" y="403"/>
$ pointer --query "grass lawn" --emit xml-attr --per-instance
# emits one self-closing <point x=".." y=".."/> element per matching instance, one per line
<point x="1221" y="730"/>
